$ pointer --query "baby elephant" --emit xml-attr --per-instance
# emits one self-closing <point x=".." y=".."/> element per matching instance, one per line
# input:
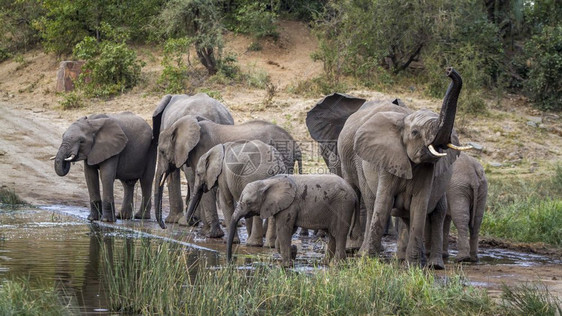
<point x="466" y="199"/>
<point x="230" y="167"/>
<point x="310" y="201"/>
<point x="112" y="146"/>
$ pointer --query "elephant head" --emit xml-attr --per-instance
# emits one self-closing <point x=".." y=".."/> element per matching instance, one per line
<point x="175" y="144"/>
<point x="264" y="198"/>
<point x="398" y="138"/>
<point x="207" y="175"/>
<point x="94" y="139"/>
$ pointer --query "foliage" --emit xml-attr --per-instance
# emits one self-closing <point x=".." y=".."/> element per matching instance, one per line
<point x="174" y="77"/>
<point x="111" y="66"/>
<point x="67" y="22"/>
<point x="8" y="197"/>
<point x="72" y="100"/>
<point x="21" y="297"/>
<point x="525" y="211"/>
<point x="530" y="299"/>
<point x="544" y="82"/>
<point x="17" y="34"/>
<point x="254" y="18"/>
<point x="199" y="20"/>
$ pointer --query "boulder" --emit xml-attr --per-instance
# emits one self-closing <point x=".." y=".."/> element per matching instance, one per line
<point x="68" y="72"/>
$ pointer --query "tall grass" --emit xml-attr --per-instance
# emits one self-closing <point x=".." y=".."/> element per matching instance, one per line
<point x="530" y="299"/>
<point x="9" y="198"/>
<point x="22" y="297"/>
<point x="526" y="211"/>
<point x="156" y="280"/>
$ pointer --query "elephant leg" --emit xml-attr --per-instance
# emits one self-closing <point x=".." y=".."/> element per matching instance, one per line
<point x="436" y="219"/>
<point x="227" y="205"/>
<point x="146" y="204"/>
<point x="174" y="192"/>
<point x="127" y="206"/>
<point x="190" y="178"/>
<point x="460" y="213"/>
<point x="93" y="183"/>
<point x="303" y="232"/>
<point x="108" y="171"/>
<point x="255" y="239"/>
<point x="402" y="242"/>
<point x="354" y="244"/>
<point x="270" y="235"/>
<point x="209" y="210"/>
<point x="446" y="230"/>
<point x="474" y="232"/>
<point x="284" y="234"/>
<point x="372" y="244"/>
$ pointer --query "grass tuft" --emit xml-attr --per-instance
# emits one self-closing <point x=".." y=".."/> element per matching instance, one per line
<point x="21" y="297"/>
<point x="9" y="198"/>
<point x="530" y="299"/>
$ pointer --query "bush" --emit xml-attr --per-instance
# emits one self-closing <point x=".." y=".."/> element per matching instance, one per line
<point x="111" y="67"/>
<point x="17" y="33"/>
<point x="544" y="81"/>
<point x="254" y="18"/>
<point x="174" y="77"/>
<point x="72" y="100"/>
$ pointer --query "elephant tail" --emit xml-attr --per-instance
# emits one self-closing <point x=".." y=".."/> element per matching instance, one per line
<point x="231" y="232"/>
<point x="479" y="196"/>
<point x="356" y="222"/>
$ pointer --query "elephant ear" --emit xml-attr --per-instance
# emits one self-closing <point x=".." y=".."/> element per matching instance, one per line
<point x="445" y="163"/>
<point x="157" y="115"/>
<point x="213" y="162"/>
<point x="185" y="136"/>
<point x="278" y="195"/>
<point x="379" y="141"/>
<point x="109" y="140"/>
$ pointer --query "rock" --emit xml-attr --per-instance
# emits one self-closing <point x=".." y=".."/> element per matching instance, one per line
<point x="532" y="123"/>
<point x="495" y="164"/>
<point x="68" y="73"/>
<point x="476" y="146"/>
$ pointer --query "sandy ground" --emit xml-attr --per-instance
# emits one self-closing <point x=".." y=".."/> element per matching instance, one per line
<point x="31" y="125"/>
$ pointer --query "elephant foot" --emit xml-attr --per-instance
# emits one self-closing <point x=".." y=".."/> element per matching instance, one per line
<point x="124" y="215"/>
<point x="109" y="218"/>
<point x="293" y="252"/>
<point x="351" y="244"/>
<point x="436" y="263"/>
<point x="142" y="215"/>
<point x="466" y="259"/>
<point x="95" y="211"/>
<point x="254" y="242"/>
<point x="108" y="212"/>
<point x="215" y="232"/>
<point x="270" y="243"/>
<point x="173" y="218"/>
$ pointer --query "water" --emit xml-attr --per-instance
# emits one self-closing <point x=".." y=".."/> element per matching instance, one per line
<point x="58" y="245"/>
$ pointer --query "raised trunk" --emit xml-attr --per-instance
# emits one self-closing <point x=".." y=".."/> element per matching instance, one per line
<point x="194" y="202"/>
<point x="62" y="167"/>
<point x="448" y="110"/>
<point x="231" y="232"/>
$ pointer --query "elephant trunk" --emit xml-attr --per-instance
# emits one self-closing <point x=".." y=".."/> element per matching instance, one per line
<point x="195" y="199"/>
<point x="161" y="178"/>
<point x="448" y="110"/>
<point x="232" y="231"/>
<point x="62" y="165"/>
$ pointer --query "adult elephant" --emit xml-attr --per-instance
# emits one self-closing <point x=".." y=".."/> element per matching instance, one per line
<point x="170" y="109"/>
<point x="113" y="146"/>
<point x="189" y="138"/>
<point x="397" y="157"/>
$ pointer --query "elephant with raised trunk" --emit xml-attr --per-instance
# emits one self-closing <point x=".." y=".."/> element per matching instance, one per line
<point x="395" y="157"/>
<point x="230" y="167"/>
<point x="113" y="146"/>
<point x="170" y="109"/>
<point x="324" y="202"/>
<point x="189" y="138"/>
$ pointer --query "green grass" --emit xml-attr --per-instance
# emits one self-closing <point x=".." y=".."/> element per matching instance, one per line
<point x="22" y="297"/>
<point x="530" y="299"/>
<point x="157" y="280"/>
<point x="525" y="211"/>
<point x="9" y="198"/>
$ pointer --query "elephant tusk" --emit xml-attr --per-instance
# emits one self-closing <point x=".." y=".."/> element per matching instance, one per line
<point x="53" y="158"/>
<point x="435" y="152"/>
<point x="163" y="180"/>
<point x="459" y="148"/>
<point x="70" y="158"/>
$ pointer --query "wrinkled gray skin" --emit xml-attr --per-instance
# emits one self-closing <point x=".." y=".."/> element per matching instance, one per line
<point x="383" y="149"/>
<point x="189" y="138"/>
<point x="324" y="202"/>
<point x="170" y="109"/>
<point x="113" y="146"/>
<point x="230" y="167"/>
<point x="466" y="199"/>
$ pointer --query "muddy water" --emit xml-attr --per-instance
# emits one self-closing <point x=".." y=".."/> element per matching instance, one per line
<point x="57" y="244"/>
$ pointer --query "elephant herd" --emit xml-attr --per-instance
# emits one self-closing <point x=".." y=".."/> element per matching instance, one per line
<point x="385" y="159"/>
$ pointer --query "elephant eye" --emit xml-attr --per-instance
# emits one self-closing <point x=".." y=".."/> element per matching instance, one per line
<point x="415" y="133"/>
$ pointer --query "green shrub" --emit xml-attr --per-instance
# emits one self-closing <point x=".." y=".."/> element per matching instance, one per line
<point x="174" y="77"/>
<point x="544" y="82"/>
<point x="72" y="100"/>
<point x="111" y="66"/>
<point x="255" y="18"/>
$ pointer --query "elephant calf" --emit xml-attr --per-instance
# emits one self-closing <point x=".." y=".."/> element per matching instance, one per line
<point x="466" y="200"/>
<point x="310" y="201"/>
<point x="113" y="146"/>
<point x="230" y="167"/>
